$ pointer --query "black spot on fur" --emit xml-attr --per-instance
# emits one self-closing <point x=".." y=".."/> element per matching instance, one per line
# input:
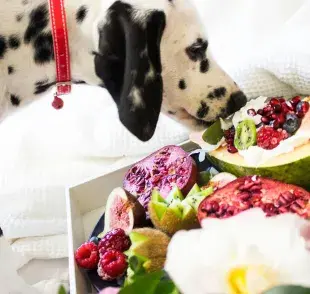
<point x="217" y="93"/>
<point x="14" y="42"/>
<point x="81" y="14"/>
<point x="19" y="17"/>
<point x="1" y="233"/>
<point x="15" y="100"/>
<point x="171" y="112"/>
<point x="204" y="66"/>
<point x="10" y="70"/>
<point x="79" y="82"/>
<point x="197" y="51"/>
<point x="3" y="46"/>
<point x="42" y="86"/>
<point x="38" y="20"/>
<point x="182" y="84"/>
<point x="202" y="110"/>
<point x="220" y="92"/>
<point x="43" y="48"/>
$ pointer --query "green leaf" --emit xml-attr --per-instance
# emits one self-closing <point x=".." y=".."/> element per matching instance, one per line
<point x="144" y="284"/>
<point x="166" y="287"/>
<point x="288" y="289"/>
<point x="62" y="290"/>
<point x="136" y="264"/>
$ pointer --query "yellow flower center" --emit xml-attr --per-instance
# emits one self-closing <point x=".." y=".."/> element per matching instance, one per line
<point x="250" y="279"/>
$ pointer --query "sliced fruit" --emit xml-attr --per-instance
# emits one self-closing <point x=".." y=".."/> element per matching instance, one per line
<point x="147" y="252"/>
<point x="214" y="133"/>
<point x="291" y="168"/>
<point x="195" y="189"/>
<point x="195" y="199"/>
<point x="123" y="211"/>
<point x="174" y="194"/>
<point x="176" y="215"/>
<point x="161" y="170"/>
<point x="245" y="134"/>
<point x="273" y="197"/>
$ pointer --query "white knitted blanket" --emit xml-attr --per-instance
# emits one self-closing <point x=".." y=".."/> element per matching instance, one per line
<point x="263" y="44"/>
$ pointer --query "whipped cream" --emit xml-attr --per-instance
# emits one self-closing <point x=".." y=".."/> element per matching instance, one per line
<point x="256" y="156"/>
<point x="242" y="114"/>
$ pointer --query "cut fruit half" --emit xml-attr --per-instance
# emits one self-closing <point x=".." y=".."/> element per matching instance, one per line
<point x="176" y="212"/>
<point x="292" y="168"/>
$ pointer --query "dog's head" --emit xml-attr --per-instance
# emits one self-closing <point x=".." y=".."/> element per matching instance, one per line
<point x="153" y="55"/>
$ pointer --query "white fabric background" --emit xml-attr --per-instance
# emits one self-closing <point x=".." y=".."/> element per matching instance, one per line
<point x="263" y="44"/>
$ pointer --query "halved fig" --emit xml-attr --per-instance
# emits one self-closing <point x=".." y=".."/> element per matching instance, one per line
<point x="123" y="211"/>
<point x="161" y="170"/>
<point x="273" y="197"/>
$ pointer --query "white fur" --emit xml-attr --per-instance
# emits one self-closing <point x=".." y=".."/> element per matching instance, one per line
<point x="183" y="27"/>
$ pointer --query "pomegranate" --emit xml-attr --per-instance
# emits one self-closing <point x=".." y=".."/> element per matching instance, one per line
<point x="271" y="196"/>
<point x="163" y="169"/>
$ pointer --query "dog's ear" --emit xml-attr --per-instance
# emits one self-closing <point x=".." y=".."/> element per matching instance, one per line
<point x="129" y="64"/>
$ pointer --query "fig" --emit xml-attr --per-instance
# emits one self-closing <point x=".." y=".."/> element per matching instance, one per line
<point x="272" y="196"/>
<point x="147" y="252"/>
<point x="123" y="211"/>
<point x="176" y="212"/>
<point x="163" y="169"/>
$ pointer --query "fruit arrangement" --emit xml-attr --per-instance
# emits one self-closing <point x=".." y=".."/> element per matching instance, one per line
<point x="267" y="137"/>
<point x="172" y="190"/>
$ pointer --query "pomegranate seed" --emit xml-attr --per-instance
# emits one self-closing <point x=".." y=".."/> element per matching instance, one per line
<point x="283" y="210"/>
<point x="215" y="206"/>
<point x="300" y="203"/>
<point x="244" y="196"/>
<point x="251" y="112"/>
<point x="281" y="100"/>
<point x="281" y="119"/>
<point x="265" y="120"/>
<point x="274" y="101"/>
<point x="232" y="149"/>
<point x="294" y="207"/>
<point x="260" y="112"/>
<point x="300" y="114"/>
<point x="277" y="108"/>
<point x="295" y="100"/>
<point x="267" y="109"/>
<point x="289" y="105"/>
<point x="288" y="196"/>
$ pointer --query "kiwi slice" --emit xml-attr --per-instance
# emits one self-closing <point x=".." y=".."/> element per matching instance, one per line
<point x="174" y="194"/>
<point x="245" y="134"/>
<point x="195" y="189"/>
<point x="214" y="133"/>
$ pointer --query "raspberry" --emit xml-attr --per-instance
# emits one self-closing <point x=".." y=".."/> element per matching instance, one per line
<point x="115" y="239"/>
<point x="269" y="138"/>
<point x="112" y="265"/>
<point x="87" y="255"/>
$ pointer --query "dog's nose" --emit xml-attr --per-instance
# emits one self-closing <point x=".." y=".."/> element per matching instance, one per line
<point x="237" y="100"/>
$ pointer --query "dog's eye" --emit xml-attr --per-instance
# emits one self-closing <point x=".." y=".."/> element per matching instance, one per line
<point x="197" y="51"/>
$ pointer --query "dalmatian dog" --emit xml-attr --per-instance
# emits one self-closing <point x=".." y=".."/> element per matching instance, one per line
<point x="150" y="55"/>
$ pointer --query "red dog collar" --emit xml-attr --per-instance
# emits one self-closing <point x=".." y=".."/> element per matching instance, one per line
<point x="61" y="51"/>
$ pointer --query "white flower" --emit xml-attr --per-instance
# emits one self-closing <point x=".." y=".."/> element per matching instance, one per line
<point x="244" y="254"/>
